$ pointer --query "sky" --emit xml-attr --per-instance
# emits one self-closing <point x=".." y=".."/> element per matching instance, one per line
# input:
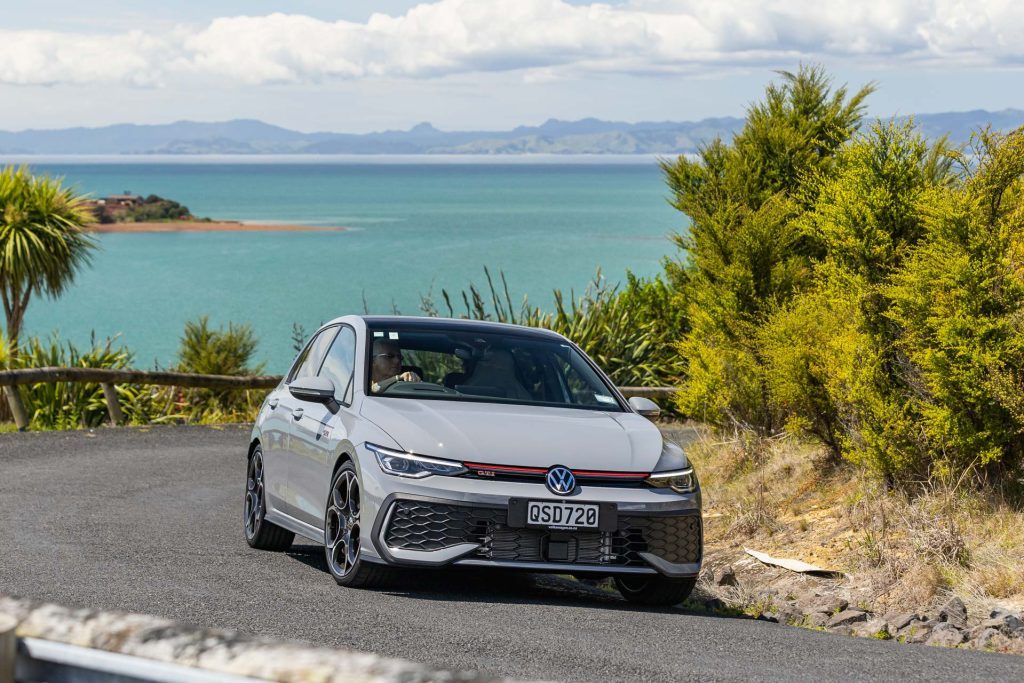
<point x="357" y="65"/>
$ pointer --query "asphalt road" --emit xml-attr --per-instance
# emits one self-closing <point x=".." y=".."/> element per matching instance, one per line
<point x="150" y="521"/>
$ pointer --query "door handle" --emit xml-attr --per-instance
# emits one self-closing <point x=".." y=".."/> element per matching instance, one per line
<point x="297" y="413"/>
<point x="273" y="403"/>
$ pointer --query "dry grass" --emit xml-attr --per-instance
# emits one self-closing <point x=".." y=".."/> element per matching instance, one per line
<point x="902" y="551"/>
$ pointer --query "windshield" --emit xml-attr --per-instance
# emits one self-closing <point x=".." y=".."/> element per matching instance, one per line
<point x="467" y="365"/>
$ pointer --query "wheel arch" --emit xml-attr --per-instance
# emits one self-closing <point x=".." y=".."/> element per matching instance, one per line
<point x="347" y="453"/>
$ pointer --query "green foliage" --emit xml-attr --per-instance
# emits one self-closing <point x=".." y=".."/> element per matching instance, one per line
<point x="959" y="304"/>
<point x="152" y="208"/>
<point x="628" y="331"/>
<point x="209" y="351"/>
<point x="42" y="241"/>
<point x="72" y="405"/>
<point x="204" y="350"/>
<point x="864" y="289"/>
<point x="906" y="354"/>
<point x="745" y="253"/>
<point x="811" y="353"/>
<point x="299" y="337"/>
<point x="864" y="222"/>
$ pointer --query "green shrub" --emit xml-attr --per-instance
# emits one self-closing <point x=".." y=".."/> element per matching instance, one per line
<point x="959" y="305"/>
<point x="209" y="351"/>
<point x="745" y="255"/>
<point x="811" y="351"/>
<point x="865" y="221"/>
<point x="75" y="405"/>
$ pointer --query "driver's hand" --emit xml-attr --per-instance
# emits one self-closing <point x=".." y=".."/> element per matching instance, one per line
<point x="408" y="376"/>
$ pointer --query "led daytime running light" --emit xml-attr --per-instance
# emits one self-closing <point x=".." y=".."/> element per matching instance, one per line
<point x="413" y="466"/>
<point x="680" y="481"/>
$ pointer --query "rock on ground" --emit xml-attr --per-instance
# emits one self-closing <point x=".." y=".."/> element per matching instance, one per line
<point x="954" y="612"/>
<point x="946" y="635"/>
<point x="847" y="617"/>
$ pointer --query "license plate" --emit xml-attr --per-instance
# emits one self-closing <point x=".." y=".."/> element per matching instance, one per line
<point x="550" y="515"/>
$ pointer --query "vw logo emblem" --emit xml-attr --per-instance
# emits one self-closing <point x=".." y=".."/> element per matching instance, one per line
<point x="561" y="481"/>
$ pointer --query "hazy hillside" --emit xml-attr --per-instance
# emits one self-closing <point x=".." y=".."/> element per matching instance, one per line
<point x="586" y="136"/>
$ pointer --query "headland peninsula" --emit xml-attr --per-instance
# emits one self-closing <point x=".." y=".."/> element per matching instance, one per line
<point x="206" y="226"/>
<point x="131" y="213"/>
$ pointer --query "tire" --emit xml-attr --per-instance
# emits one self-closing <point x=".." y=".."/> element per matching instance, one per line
<point x="259" y="533"/>
<point x="342" y="530"/>
<point x="655" y="590"/>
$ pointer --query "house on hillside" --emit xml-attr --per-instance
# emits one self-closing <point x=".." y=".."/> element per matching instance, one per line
<point x="107" y="209"/>
<point x="126" y="200"/>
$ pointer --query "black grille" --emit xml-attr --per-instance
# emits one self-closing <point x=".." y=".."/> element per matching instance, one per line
<point x="534" y="545"/>
<point x="676" y="539"/>
<point x="417" y="525"/>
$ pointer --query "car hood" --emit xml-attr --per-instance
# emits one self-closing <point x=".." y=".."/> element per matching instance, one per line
<point x="529" y="436"/>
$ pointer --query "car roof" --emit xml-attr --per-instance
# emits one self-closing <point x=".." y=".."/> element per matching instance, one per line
<point x="406" y="322"/>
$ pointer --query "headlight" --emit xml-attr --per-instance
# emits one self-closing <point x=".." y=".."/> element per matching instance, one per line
<point x="413" y="466"/>
<point x="680" y="481"/>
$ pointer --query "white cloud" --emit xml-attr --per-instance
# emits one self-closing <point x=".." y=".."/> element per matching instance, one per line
<point x="546" y="39"/>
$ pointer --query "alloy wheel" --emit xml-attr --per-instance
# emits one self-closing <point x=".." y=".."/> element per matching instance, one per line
<point x="254" y="498"/>
<point x="341" y="534"/>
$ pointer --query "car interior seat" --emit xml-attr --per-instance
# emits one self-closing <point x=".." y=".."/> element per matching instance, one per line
<point x="494" y="375"/>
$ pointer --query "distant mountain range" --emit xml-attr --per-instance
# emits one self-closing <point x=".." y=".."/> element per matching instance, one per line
<point x="587" y="136"/>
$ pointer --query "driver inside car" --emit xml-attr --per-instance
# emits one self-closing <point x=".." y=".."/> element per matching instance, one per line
<point x="386" y="366"/>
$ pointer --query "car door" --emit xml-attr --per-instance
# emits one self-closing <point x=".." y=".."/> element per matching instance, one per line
<point x="292" y="410"/>
<point x="317" y="434"/>
<point x="275" y="428"/>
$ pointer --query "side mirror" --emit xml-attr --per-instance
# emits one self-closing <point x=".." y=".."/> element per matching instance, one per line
<point x="313" y="389"/>
<point x="644" y="406"/>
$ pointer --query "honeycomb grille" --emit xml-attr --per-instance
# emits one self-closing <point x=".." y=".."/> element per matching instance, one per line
<point x="429" y="526"/>
<point x="676" y="539"/>
<point x="416" y="525"/>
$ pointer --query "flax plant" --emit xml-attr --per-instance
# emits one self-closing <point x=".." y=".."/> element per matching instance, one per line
<point x="629" y="330"/>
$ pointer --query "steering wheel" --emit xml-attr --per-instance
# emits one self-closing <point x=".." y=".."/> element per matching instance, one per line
<point x="413" y="387"/>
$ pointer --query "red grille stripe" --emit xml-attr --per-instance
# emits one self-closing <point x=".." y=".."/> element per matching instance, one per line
<point x="505" y="468"/>
<point x="542" y="470"/>
<point x="617" y="475"/>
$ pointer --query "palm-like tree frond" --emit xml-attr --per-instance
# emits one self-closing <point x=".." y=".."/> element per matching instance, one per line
<point x="43" y="242"/>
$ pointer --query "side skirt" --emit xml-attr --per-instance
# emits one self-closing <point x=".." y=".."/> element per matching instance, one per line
<point x="291" y="524"/>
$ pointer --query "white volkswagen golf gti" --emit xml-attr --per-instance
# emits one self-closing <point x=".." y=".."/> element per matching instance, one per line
<point x="426" y="442"/>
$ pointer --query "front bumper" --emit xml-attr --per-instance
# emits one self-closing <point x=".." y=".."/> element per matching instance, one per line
<point x="656" y="536"/>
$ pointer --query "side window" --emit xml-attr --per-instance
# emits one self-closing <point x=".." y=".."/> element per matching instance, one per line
<point x="308" y="363"/>
<point x="582" y="382"/>
<point x="340" y="363"/>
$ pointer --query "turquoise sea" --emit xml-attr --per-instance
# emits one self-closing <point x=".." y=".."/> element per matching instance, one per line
<point x="415" y="226"/>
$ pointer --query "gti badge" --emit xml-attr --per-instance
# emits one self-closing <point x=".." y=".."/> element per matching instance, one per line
<point x="561" y="481"/>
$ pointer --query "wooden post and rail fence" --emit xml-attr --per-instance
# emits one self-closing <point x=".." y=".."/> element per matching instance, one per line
<point x="109" y="378"/>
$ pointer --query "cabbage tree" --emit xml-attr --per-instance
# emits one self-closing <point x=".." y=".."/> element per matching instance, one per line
<point x="43" y="241"/>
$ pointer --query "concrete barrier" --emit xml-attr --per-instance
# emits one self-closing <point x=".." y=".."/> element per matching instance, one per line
<point x="143" y="641"/>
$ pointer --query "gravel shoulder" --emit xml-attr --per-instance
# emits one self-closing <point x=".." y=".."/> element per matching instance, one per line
<point x="149" y="520"/>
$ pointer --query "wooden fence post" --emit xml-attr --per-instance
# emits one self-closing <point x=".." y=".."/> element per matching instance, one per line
<point x="113" y="405"/>
<point x="8" y="647"/>
<point x="17" y="407"/>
